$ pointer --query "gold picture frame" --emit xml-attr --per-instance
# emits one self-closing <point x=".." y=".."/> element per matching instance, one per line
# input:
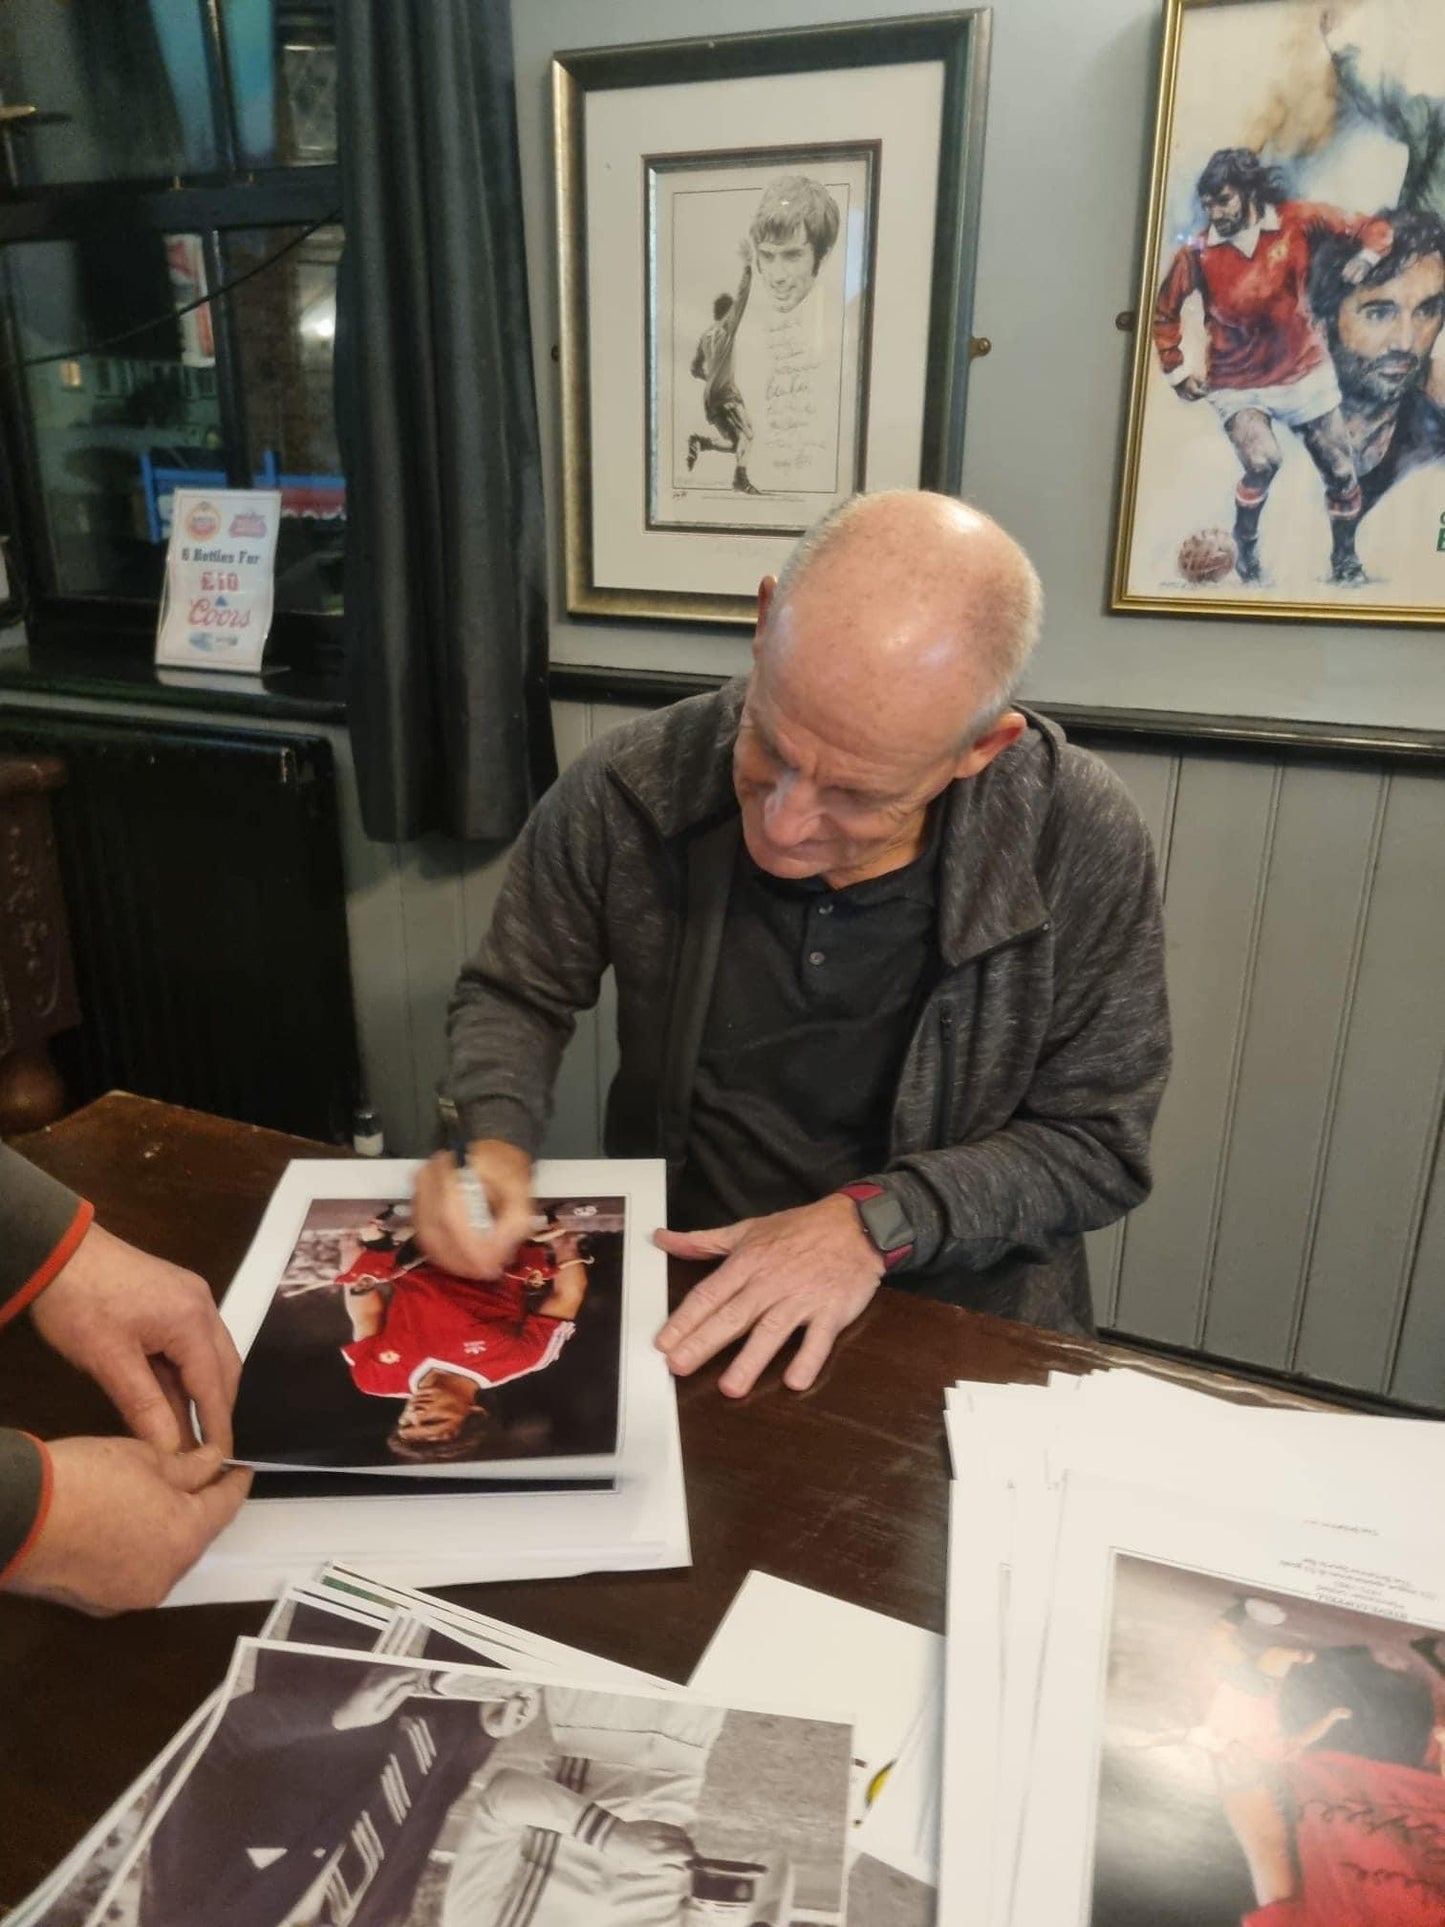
<point x="1340" y="213"/>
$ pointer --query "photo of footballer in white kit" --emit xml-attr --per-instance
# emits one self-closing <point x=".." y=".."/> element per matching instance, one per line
<point x="356" y="1791"/>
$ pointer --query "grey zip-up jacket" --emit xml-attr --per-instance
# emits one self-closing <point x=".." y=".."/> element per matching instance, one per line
<point x="1027" y="1094"/>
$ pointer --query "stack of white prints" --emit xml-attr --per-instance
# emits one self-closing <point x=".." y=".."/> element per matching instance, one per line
<point x="1195" y="1668"/>
<point x="784" y="1641"/>
<point x="442" y="1430"/>
<point x="378" y="1758"/>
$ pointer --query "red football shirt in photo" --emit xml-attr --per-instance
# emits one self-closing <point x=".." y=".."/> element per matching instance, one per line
<point x="1370" y="1843"/>
<point x="435" y="1320"/>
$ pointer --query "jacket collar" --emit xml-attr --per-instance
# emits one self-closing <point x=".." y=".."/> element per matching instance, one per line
<point x="988" y="892"/>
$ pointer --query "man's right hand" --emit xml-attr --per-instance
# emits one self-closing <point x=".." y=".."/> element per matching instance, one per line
<point x="125" y="1521"/>
<point x="443" y="1228"/>
<point x="1192" y="388"/>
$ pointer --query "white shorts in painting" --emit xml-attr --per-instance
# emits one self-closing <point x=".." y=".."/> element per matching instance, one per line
<point x="1295" y="403"/>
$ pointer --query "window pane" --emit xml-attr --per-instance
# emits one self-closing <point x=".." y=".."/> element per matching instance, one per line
<point x="120" y="85"/>
<point x="285" y="326"/>
<point x="114" y="428"/>
<point x="283" y="78"/>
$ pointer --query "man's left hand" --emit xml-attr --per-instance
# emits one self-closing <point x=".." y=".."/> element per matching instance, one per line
<point x="813" y="1268"/>
<point x="149" y="1334"/>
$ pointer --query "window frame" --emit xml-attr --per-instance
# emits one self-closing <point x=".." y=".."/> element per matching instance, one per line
<point x="209" y="205"/>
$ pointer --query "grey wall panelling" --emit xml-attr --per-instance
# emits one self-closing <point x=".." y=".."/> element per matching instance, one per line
<point x="1213" y="892"/>
<point x="1419" y="1365"/>
<point x="1385" y="1120"/>
<point x="1323" y="844"/>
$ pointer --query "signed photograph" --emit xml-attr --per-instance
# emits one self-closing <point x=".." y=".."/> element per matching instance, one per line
<point x="354" y="1792"/>
<point x="371" y="1358"/>
<point x="1266" y="1758"/>
<point x="758" y="309"/>
<point x="1286" y="451"/>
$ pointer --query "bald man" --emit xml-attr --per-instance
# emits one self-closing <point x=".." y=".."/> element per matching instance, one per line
<point x="890" y="990"/>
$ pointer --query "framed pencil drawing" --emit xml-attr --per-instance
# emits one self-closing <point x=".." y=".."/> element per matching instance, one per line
<point x="766" y="248"/>
<point x="1285" y="454"/>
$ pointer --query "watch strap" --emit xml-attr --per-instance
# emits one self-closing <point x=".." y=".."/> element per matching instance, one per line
<point x="884" y="1220"/>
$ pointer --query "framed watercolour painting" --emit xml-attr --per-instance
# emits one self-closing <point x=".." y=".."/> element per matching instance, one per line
<point x="1286" y="444"/>
<point x="765" y="273"/>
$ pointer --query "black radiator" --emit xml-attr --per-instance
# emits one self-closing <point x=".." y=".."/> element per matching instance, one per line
<point x="203" y="882"/>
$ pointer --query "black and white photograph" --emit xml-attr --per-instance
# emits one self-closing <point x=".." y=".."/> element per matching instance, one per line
<point x="759" y="312"/>
<point x="371" y="1358"/>
<point x="356" y="1792"/>
<point x="1267" y="1758"/>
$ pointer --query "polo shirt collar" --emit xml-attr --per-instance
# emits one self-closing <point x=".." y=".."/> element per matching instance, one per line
<point x="1247" y="239"/>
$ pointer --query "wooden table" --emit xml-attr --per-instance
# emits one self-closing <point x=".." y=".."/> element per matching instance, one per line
<point x="843" y="1488"/>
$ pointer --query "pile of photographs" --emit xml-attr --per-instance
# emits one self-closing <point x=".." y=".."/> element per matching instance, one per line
<point x="441" y="1430"/>
<point x="1195" y="1664"/>
<point x="378" y="1757"/>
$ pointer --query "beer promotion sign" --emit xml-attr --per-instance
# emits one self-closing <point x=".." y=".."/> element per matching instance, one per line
<point x="220" y="578"/>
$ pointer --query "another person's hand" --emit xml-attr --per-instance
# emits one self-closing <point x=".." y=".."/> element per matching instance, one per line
<point x="150" y="1336"/>
<point x="443" y="1227"/>
<point x="813" y="1268"/>
<point x="1192" y="388"/>
<point x="1357" y="267"/>
<point x="639" y="1846"/>
<point x="125" y="1522"/>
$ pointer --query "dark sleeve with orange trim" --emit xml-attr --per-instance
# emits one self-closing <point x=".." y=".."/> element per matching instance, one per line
<point x="41" y="1223"/>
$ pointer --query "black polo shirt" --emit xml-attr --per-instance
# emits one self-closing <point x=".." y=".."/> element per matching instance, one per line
<point x="814" y="1003"/>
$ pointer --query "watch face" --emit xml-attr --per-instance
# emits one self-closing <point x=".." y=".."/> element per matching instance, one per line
<point x="886" y="1223"/>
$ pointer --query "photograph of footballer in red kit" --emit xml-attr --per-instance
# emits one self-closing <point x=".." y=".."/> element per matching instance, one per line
<point x="1286" y="449"/>
<point x="1268" y="1760"/>
<point x="371" y="1358"/>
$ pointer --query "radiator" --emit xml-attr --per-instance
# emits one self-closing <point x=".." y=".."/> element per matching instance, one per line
<point x="203" y="882"/>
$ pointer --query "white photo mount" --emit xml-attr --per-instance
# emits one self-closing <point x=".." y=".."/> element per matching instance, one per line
<point x="220" y="585"/>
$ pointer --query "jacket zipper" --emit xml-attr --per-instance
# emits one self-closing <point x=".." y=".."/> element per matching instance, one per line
<point x="944" y="1091"/>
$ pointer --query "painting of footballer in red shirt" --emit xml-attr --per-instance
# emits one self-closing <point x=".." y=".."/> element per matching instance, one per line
<point x="437" y="1342"/>
<point x="1267" y="362"/>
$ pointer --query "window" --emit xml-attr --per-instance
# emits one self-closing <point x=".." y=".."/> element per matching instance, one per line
<point x="168" y="259"/>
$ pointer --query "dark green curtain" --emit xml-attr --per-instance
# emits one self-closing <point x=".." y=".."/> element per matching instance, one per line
<point x="446" y="610"/>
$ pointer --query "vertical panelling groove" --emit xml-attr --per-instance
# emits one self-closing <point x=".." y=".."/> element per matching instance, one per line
<point x="1236" y="1061"/>
<point x="1424" y="1191"/>
<point x="1337" y="1066"/>
<point x="1161" y="855"/>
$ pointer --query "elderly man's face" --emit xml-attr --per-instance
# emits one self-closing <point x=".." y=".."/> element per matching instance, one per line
<point x="819" y="802"/>
<point x="1385" y="335"/>
<point x="787" y="268"/>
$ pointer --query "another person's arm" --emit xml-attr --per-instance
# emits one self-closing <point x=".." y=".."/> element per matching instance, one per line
<point x="107" y="1524"/>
